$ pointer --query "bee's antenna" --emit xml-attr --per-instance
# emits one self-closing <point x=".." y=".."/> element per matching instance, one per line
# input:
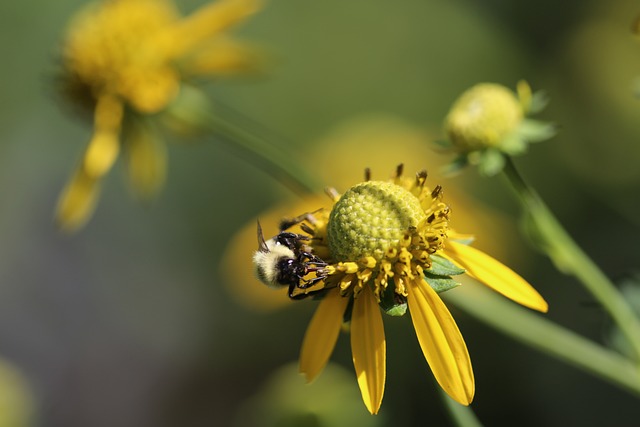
<point x="262" y="245"/>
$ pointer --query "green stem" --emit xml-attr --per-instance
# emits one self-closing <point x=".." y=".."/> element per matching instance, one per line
<point x="461" y="416"/>
<point x="571" y="259"/>
<point x="273" y="160"/>
<point x="544" y="335"/>
<point x="192" y="110"/>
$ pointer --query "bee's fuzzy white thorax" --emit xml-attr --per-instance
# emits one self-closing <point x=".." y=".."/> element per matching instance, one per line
<point x="266" y="263"/>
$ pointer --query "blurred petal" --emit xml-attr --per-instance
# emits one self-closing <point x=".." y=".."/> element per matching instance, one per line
<point x="496" y="275"/>
<point x="146" y="161"/>
<point x="322" y="334"/>
<point x="77" y="201"/>
<point x="224" y="56"/>
<point x="210" y="20"/>
<point x="101" y="153"/>
<point x="368" y="347"/>
<point x="149" y="91"/>
<point x="104" y="145"/>
<point x="441" y="342"/>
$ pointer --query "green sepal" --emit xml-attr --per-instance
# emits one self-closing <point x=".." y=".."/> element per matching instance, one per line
<point x="441" y="266"/>
<point x="440" y="283"/>
<point x="490" y="162"/>
<point x="391" y="303"/>
<point x="456" y="165"/>
<point x="539" y="101"/>
<point x="189" y="113"/>
<point x="469" y="240"/>
<point x="443" y="143"/>
<point x="514" y="144"/>
<point x="536" y="130"/>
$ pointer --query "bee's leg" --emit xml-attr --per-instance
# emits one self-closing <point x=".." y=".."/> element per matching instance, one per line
<point x="292" y="287"/>
<point x="287" y="223"/>
<point x="312" y="259"/>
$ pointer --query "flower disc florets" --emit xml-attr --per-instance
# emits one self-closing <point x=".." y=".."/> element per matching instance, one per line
<point x="377" y="231"/>
<point x="483" y="116"/>
<point x="371" y="218"/>
<point x="118" y="47"/>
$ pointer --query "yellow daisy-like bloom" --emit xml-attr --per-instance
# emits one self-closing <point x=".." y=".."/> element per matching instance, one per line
<point x="127" y="60"/>
<point x="388" y="244"/>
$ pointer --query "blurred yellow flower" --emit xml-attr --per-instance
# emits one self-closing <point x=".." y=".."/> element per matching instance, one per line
<point x="17" y="403"/>
<point x="128" y="60"/>
<point x="388" y="244"/>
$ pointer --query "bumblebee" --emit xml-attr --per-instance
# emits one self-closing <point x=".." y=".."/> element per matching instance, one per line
<point x="287" y="260"/>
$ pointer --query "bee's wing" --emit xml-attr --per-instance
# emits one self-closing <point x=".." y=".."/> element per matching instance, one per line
<point x="262" y="245"/>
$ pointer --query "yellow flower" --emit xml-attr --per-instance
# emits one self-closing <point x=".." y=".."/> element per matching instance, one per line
<point x="489" y="121"/>
<point x="128" y="60"/>
<point x="388" y="140"/>
<point x="387" y="244"/>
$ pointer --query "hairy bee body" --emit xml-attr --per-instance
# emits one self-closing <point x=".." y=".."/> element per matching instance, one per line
<point x="286" y="260"/>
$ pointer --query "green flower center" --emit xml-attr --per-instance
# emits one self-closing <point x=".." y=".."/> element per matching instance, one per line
<point x="371" y="218"/>
<point x="483" y="116"/>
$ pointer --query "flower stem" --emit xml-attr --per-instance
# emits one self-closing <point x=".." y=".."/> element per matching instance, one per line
<point x="273" y="160"/>
<point x="571" y="259"/>
<point x="544" y="335"/>
<point x="460" y="415"/>
<point x="193" y="111"/>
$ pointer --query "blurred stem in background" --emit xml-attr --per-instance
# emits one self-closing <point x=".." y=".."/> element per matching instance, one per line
<point x="271" y="159"/>
<point x="460" y="415"/>
<point x="569" y="258"/>
<point x="546" y="336"/>
<point x="193" y="110"/>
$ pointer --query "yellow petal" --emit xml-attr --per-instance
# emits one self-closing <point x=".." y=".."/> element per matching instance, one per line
<point x="104" y="145"/>
<point x="101" y="154"/>
<point x="77" y="201"/>
<point x="368" y="348"/>
<point x="441" y="342"/>
<point x="322" y="334"/>
<point x="208" y="21"/>
<point x="496" y="275"/>
<point x="146" y="161"/>
<point x="222" y="57"/>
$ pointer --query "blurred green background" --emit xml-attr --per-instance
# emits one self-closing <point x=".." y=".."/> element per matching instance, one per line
<point x="129" y="322"/>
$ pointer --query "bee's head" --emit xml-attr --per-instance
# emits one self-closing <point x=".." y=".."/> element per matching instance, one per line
<point x="266" y="260"/>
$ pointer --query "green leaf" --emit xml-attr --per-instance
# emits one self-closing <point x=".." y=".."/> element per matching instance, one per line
<point x="443" y="267"/>
<point x="397" y="310"/>
<point x="392" y="303"/>
<point x="440" y="283"/>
